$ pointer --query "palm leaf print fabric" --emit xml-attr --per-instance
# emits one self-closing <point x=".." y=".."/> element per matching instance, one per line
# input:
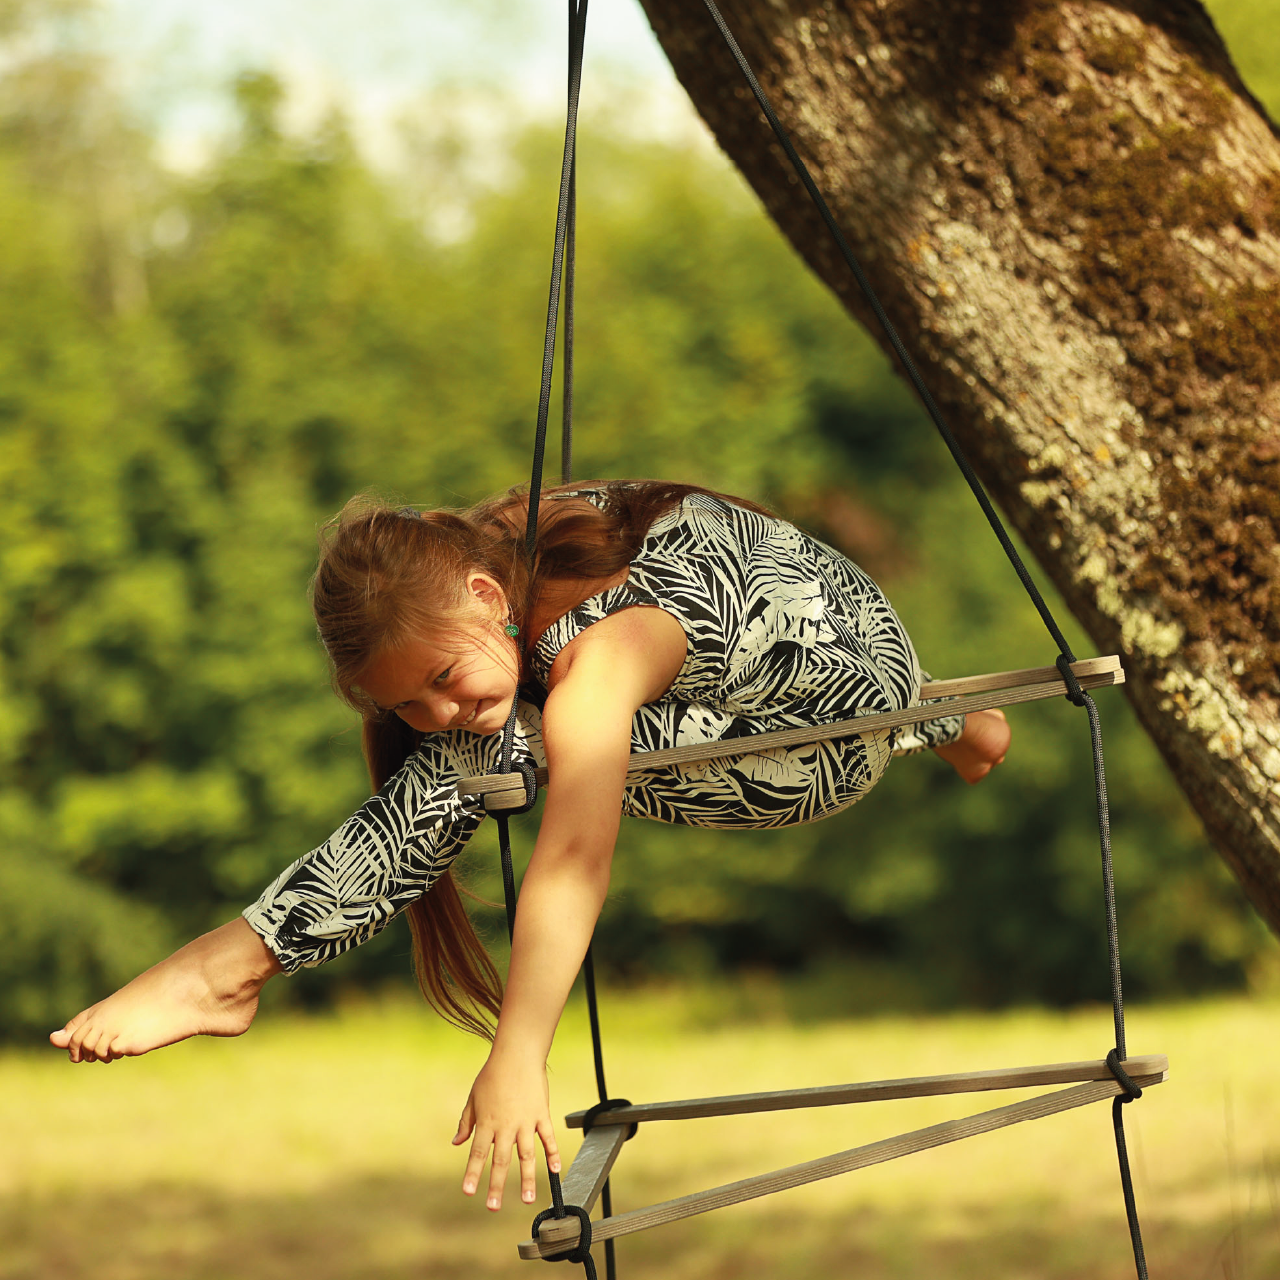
<point x="782" y="632"/>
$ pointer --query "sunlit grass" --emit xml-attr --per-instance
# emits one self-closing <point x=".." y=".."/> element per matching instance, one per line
<point x="321" y="1148"/>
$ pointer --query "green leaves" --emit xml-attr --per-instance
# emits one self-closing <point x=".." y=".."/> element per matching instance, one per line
<point x="192" y="379"/>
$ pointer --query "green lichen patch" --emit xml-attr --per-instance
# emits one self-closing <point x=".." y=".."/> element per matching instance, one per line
<point x="1113" y="54"/>
<point x="1126" y="194"/>
<point x="1208" y="202"/>
<point x="1214" y="562"/>
<point x="1241" y="333"/>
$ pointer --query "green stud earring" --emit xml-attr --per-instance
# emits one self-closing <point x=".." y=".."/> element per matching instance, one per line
<point x="512" y="630"/>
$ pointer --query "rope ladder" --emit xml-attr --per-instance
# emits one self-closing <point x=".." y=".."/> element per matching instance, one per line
<point x="566" y="1230"/>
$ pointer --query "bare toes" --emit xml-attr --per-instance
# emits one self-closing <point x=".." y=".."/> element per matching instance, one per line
<point x="86" y="1044"/>
<point x="63" y="1037"/>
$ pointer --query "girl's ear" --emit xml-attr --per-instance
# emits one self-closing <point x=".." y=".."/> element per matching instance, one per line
<point x="486" y="592"/>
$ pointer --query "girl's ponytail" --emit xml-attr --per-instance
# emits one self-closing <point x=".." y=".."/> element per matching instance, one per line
<point x="454" y="971"/>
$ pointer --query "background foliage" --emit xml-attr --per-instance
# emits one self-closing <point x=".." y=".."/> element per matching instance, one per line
<point x="196" y="371"/>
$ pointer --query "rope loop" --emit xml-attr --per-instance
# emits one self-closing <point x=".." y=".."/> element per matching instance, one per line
<point x="607" y="1104"/>
<point x="526" y="774"/>
<point x="1132" y="1092"/>
<point x="1075" y="694"/>
<point x="581" y="1252"/>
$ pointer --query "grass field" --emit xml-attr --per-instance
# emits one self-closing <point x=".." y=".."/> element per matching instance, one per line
<point x="319" y="1148"/>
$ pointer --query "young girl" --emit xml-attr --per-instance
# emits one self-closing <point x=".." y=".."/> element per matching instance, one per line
<point x="653" y="615"/>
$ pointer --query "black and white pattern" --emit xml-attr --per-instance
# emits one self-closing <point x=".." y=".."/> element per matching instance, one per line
<point x="782" y="631"/>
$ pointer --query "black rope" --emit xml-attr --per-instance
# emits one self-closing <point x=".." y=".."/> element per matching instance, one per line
<point x="568" y="174"/>
<point x="504" y="825"/>
<point x="593" y="1012"/>
<point x="591" y="1114"/>
<point x="1074" y="692"/>
<point x="597" y="1053"/>
<point x="576" y="30"/>
<point x="570" y="258"/>
<point x="562" y="276"/>
<point x="577" y="27"/>
<point x="581" y="1252"/>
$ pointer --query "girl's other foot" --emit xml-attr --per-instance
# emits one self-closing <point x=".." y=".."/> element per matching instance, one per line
<point x="980" y="747"/>
<point x="208" y="988"/>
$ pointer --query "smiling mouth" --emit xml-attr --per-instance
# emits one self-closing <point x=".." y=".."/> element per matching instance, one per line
<point x="475" y="711"/>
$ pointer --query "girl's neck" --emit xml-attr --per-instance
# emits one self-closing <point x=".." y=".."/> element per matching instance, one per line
<point x="562" y="595"/>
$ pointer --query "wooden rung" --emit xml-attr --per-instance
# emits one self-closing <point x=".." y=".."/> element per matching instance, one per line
<point x="970" y="693"/>
<point x="874" y="1091"/>
<point x="557" y="1235"/>
<point x="590" y="1168"/>
<point x="1086" y="668"/>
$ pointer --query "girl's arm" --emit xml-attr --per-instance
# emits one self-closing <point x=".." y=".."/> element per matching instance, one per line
<point x="599" y="681"/>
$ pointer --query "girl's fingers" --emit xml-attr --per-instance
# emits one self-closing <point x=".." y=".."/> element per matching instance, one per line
<point x="546" y="1131"/>
<point x="498" y="1169"/>
<point x="480" y="1145"/>
<point x="527" y="1150"/>
<point x="466" y="1123"/>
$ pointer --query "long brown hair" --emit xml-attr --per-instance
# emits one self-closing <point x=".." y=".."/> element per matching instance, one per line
<point x="387" y="574"/>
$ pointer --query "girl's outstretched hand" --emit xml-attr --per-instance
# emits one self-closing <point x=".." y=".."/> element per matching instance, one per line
<point x="509" y="1107"/>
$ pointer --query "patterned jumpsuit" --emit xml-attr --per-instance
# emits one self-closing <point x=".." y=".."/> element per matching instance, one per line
<point x="782" y="632"/>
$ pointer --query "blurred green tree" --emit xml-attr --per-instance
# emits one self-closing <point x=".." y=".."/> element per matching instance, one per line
<point x="195" y="372"/>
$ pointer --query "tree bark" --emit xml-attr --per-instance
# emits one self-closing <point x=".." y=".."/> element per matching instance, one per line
<point x="1071" y="212"/>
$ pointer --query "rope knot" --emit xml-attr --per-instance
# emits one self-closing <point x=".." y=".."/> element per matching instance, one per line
<point x="581" y="1252"/>
<point x="607" y="1104"/>
<point x="1075" y="693"/>
<point x="1132" y="1092"/>
<point x="525" y="771"/>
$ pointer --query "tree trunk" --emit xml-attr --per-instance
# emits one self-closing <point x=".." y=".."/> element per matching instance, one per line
<point x="1071" y="212"/>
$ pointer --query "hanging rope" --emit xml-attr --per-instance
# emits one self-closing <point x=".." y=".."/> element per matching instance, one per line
<point x="566" y="207"/>
<point x="1074" y="693"/>
<point x="562" y="277"/>
<point x="562" y="274"/>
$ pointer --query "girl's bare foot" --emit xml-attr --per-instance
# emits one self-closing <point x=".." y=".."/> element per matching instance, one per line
<point x="210" y="987"/>
<point x="980" y="747"/>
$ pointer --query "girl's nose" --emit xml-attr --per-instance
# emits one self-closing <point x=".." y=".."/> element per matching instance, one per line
<point x="443" y="711"/>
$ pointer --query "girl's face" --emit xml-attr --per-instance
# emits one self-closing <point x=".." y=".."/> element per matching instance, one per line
<point x="464" y="682"/>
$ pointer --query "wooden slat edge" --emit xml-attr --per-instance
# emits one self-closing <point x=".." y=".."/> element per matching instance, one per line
<point x="1108" y="672"/>
<point x="874" y="1091"/>
<point x="555" y="1236"/>
<point x="1085" y="668"/>
<point x="590" y="1168"/>
<point x="696" y="752"/>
